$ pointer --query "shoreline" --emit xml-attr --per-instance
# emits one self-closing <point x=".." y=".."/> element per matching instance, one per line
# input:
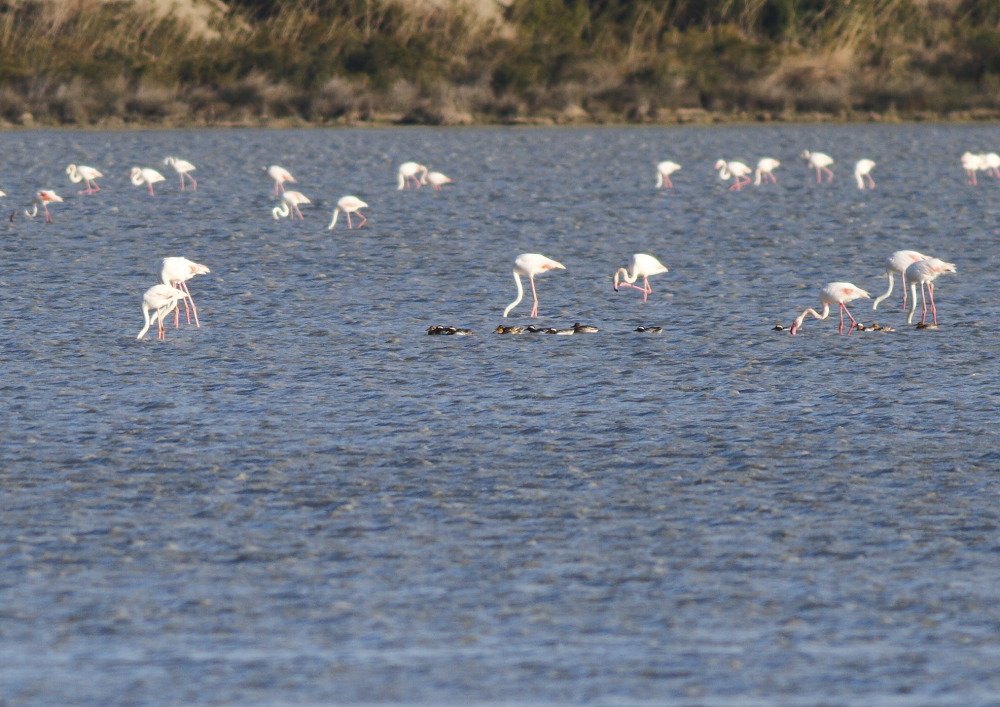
<point x="680" y="118"/>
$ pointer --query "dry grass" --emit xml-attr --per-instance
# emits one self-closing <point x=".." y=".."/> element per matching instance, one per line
<point x="437" y="61"/>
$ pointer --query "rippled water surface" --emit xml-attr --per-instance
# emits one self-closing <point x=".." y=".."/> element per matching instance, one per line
<point x="310" y="501"/>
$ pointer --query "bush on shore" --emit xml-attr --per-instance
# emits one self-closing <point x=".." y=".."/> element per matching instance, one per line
<point x="117" y="62"/>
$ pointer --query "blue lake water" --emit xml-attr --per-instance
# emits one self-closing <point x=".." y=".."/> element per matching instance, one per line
<point x="310" y="501"/>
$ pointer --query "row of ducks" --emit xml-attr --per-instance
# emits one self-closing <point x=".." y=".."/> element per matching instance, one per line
<point x="577" y="328"/>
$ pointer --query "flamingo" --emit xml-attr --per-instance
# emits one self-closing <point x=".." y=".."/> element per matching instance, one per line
<point x="349" y="205"/>
<point x="925" y="272"/>
<point x="176" y="271"/>
<point x="736" y="170"/>
<point x="82" y="173"/>
<point x="147" y="176"/>
<point x="163" y="299"/>
<point x="971" y="164"/>
<point x="663" y="171"/>
<point x="280" y="175"/>
<point x="897" y="263"/>
<point x="991" y="160"/>
<point x="437" y="179"/>
<point x="184" y="169"/>
<point x="644" y="266"/>
<point x="839" y="293"/>
<point x="530" y="264"/>
<point x="820" y="161"/>
<point x="290" y="201"/>
<point x="408" y="171"/>
<point x="765" y="170"/>
<point x="43" y="197"/>
<point x="862" y="171"/>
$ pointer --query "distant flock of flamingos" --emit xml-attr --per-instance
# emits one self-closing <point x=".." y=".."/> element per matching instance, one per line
<point x="913" y="268"/>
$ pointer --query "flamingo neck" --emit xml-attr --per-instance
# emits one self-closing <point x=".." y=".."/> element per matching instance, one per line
<point x="888" y="292"/>
<point x="279" y="211"/>
<point x="817" y="315"/>
<point x="336" y="213"/>
<point x="622" y="273"/>
<point x="145" y="315"/>
<point x="520" y="294"/>
<point x="136" y="177"/>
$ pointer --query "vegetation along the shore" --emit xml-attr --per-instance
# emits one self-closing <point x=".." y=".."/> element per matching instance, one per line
<point x="253" y="62"/>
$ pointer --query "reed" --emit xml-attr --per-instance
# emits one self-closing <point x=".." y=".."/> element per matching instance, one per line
<point x="329" y="61"/>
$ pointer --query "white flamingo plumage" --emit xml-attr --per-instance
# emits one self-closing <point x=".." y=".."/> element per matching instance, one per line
<point x="641" y="265"/>
<point x="280" y="175"/>
<point x="147" y="176"/>
<point x="436" y="179"/>
<point x="161" y="300"/>
<point x="408" y="171"/>
<point x="735" y="170"/>
<point x="663" y="171"/>
<point x="176" y="271"/>
<point x="765" y="170"/>
<point x="530" y="264"/>
<point x="44" y="197"/>
<point x="925" y="272"/>
<point x="349" y="205"/>
<point x="820" y="161"/>
<point x="971" y="163"/>
<point x="184" y="169"/>
<point x="290" y="201"/>
<point x="839" y="293"/>
<point x="80" y="173"/>
<point x="862" y="172"/>
<point x="897" y="264"/>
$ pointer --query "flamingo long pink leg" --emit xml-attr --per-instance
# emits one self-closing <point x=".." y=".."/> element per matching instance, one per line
<point x="534" y="309"/>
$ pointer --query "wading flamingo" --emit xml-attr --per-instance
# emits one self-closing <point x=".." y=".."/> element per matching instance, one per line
<point x="184" y="169"/>
<point x="971" y="164"/>
<point x="349" y="205"/>
<point x="991" y="163"/>
<point x="530" y="264"/>
<point x="642" y="265"/>
<point x="408" y="171"/>
<point x="820" y="161"/>
<point x="897" y="264"/>
<point x="176" y="271"/>
<point x="925" y="272"/>
<point x="290" y="201"/>
<point x="43" y="197"/>
<point x="161" y="300"/>
<point x="736" y="170"/>
<point x="82" y="173"/>
<point x="437" y="179"/>
<point x="839" y="293"/>
<point x="765" y="170"/>
<point x="663" y="171"/>
<point x="862" y="171"/>
<point x="280" y="175"/>
<point x="147" y="176"/>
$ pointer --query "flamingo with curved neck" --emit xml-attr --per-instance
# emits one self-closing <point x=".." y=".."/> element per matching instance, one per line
<point x="530" y="264"/>
<point x="642" y="265"/>
<point x="897" y="264"/>
<point x="925" y="272"/>
<point x="839" y="293"/>
<point x="161" y="299"/>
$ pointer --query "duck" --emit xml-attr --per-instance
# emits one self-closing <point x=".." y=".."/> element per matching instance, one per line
<point x="584" y="328"/>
